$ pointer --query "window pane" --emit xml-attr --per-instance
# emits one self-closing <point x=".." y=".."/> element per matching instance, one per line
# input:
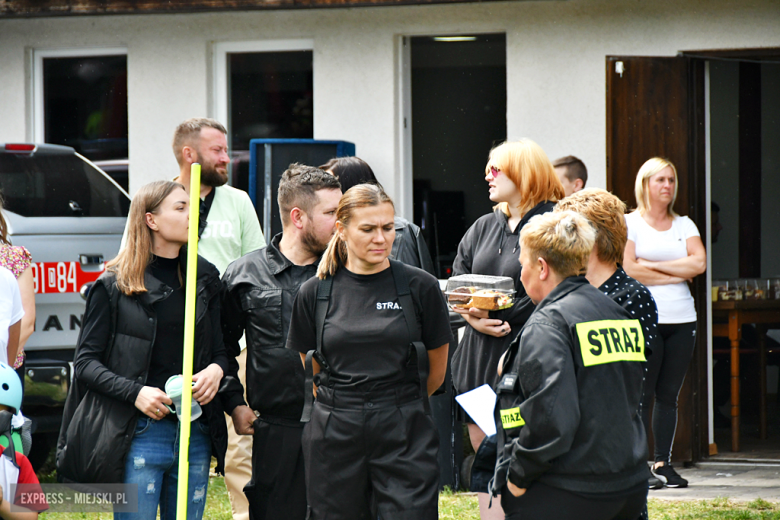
<point x="85" y="104"/>
<point x="270" y="96"/>
<point x="49" y="185"/>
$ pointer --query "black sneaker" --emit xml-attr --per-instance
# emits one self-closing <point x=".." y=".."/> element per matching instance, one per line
<point x="670" y="477"/>
<point x="654" y="483"/>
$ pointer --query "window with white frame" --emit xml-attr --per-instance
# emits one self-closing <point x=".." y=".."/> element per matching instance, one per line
<point x="263" y="89"/>
<point x="80" y="100"/>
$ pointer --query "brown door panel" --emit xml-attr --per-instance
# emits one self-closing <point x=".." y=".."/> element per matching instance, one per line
<point x="655" y="108"/>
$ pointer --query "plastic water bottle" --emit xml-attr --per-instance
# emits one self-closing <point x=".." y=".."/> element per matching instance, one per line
<point x="173" y="387"/>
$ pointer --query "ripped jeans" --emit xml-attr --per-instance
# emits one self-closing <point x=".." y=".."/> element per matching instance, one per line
<point x="153" y="464"/>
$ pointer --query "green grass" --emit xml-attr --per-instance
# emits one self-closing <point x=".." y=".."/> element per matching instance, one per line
<point x="458" y="506"/>
<point x="463" y="506"/>
<point x="718" y="509"/>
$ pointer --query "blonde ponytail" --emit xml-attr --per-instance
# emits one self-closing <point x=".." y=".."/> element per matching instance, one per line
<point x="334" y="257"/>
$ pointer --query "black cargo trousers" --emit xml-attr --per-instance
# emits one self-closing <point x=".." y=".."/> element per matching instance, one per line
<point x="277" y="489"/>
<point x="364" y="448"/>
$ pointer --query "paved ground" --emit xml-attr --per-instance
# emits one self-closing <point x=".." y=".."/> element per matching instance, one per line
<point x="742" y="482"/>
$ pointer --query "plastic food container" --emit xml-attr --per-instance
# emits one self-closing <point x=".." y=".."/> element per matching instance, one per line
<point x="490" y="293"/>
<point x="755" y="290"/>
<point x="728" y="290"/>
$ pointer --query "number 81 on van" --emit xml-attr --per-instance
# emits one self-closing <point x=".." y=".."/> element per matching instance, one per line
<point x="62" y="277"/>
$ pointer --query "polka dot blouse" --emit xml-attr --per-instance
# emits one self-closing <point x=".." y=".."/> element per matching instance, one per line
<point x="636" y="299"/>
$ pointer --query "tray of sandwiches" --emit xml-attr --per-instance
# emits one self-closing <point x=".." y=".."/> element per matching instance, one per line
<point x="490" y="293"/>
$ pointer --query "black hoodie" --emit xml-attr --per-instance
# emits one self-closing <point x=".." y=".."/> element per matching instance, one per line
<point x="489" y="247"/>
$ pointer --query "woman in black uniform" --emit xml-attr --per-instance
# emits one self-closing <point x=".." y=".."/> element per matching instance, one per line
<point x="375" y="326"/>
<point x="523" y="183"/>
<point x="570" y="436"/>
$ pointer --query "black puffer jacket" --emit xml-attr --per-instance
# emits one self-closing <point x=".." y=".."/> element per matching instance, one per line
<point x="568" y="401"/>
<point x="106" y="389"/>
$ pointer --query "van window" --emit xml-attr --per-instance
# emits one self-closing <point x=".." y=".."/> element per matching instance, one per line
<point x="58" y="185"/>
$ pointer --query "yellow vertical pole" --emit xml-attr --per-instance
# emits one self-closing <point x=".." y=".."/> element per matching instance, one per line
<point x="189" y="343"/>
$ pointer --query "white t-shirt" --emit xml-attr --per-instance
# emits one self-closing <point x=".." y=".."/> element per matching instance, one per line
<point x="674" y="301"/>
<point x="11" y="309"/>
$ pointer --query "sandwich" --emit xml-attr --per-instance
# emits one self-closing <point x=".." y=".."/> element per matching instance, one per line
<point x="490" y="300"/>
<point x="485" y="299"/>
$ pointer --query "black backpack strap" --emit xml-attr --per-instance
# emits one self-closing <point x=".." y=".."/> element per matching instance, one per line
<point x="320" y="312"/>
<point x="407" y="305"/>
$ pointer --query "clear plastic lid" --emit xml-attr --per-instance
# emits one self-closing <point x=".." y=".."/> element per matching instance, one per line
<point x="480" y="291"/>
<point x="502" y="284"/>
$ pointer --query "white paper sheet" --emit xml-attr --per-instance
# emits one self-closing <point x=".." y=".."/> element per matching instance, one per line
<point x="479" y="404"/>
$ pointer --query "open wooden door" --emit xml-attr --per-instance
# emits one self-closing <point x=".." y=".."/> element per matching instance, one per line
<point x="655" y="107"/>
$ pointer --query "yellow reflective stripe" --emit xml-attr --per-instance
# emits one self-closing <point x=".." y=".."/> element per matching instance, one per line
<point x="610" y="341"/>
<point x="511" y="418"/>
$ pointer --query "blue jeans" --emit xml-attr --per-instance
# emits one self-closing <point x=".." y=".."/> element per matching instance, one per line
<point x="153" y="464"/>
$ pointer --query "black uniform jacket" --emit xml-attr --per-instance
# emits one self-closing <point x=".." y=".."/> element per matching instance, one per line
<point x="409" y="246"/>
<point x="123" y="374"/>
<point x="568" y="400"/>
<point x="258" y="293"/>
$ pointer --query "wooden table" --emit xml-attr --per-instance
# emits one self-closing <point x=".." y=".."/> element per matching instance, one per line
<point x="736" y="313"/>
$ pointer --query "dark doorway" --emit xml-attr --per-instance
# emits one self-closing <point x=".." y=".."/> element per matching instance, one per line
<point x="458" y="115"/>
<point x="745" y="169"/>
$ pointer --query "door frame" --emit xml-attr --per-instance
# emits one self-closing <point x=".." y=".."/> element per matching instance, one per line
<point x="711" y="446"/>
<point x="705" y="57"/>
<point x="404" y="174"/>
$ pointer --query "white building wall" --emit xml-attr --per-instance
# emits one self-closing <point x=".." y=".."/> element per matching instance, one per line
<point x="555" y="65"/>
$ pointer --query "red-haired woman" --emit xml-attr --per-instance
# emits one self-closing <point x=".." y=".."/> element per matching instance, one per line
<point x="522" y="183"/>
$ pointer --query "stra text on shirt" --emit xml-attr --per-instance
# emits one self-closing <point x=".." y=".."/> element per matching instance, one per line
<point x="388" y="305"/>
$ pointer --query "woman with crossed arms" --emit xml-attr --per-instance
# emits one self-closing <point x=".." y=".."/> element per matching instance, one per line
<point x="664" y="251"/>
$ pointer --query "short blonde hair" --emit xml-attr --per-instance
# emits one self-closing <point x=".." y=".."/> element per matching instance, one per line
<point x="650" y="168"/>
<point x="606" y="213"/>
<point x="564" y="239"/>
<point x="526" y="164"/>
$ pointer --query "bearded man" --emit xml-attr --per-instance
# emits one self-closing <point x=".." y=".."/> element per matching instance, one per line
<point x="258" y="294"/>
<point x="228" y="230"/>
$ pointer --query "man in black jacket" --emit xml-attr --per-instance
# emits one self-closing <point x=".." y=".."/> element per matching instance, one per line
<point x="258" y="293"/>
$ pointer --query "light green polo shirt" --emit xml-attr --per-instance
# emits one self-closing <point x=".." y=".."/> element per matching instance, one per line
<point x="233" y="229"/>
